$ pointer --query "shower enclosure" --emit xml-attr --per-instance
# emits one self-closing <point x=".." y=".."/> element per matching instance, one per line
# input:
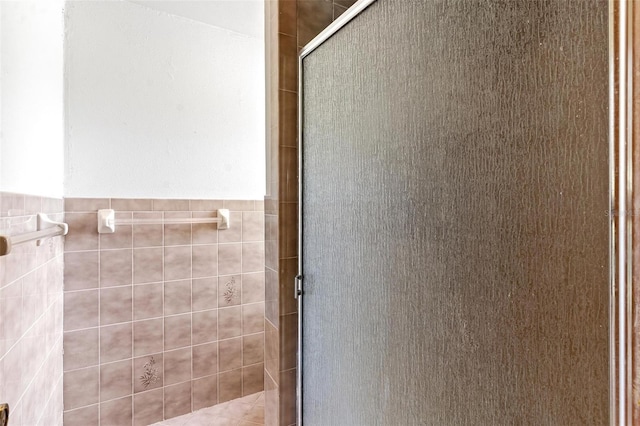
<point x="458" y="262"/>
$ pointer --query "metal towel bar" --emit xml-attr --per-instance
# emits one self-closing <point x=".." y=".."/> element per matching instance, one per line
<point x="46" y="229"/>
<point x="107" y="221"/>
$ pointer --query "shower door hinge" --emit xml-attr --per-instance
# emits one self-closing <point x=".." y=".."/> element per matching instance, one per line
<point x="297" y="288"/>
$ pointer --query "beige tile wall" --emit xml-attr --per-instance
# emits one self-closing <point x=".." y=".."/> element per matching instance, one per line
<point x="161" y="320"/>
<point x="31" y="315"/>
<point x="289" y="25"/>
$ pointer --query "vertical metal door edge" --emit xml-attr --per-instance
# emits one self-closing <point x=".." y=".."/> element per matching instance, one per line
<point x="343" y="20"/>
<point x="621" y="204"/>
<point x="613" y="415"/>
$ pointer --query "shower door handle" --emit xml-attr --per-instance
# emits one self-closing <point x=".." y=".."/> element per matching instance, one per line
<point x="297" y="286"/>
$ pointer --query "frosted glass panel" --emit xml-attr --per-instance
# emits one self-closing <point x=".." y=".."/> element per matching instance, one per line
<point x="455" y="195"/>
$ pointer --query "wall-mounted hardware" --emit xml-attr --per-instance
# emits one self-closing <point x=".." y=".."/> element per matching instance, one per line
<point x="107" y="221"/>
<point x="46" y="229"/>
<point x="4" y="414"/>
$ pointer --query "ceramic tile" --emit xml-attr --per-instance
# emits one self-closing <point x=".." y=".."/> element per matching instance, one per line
<point x="80" y="349"/>
<point x="116" y="379"/>
<point x="148" y="265"/>
<point x="12" y="204"/>
<point x="229" y="322"/>
<point x="205" y="359"/>
<point x="206" y="205"/>
<point x="230" y="385"/>
<point x="253" y="287"/>
<point x="85" y="416"/>
<point x="229" y="290"/>
<point x="131" y="204"/>
<point x="253" y="349"/>
<point x="31" y="326"/>
<point x="117" y="412"/>
<point x="81" y="270"/>
<point x="52" y="205"/>
<point x="177" y="262"/>
<point x="252" y="257"/>
<point x="177" y="297"/>
<point x="148" y="372"/>
<point x="234" y="233"/>
<point x="83" y="232"/>
<point x="253" y="379"/>
<point x="338" y="10"/>
<point x="288" y="173"/>
<point x="177" y="331"/>
<point x="255" y="415"/>
<point x="86" y="204"/>
<point x="248" y="423"/>
<point x="313" y="17"/>
<point x="288" y="118"/>
<point x="205" y="326"/>
<point x="148" y="336"/>
<point x="229" y="259"/>
<point x="148" y="235"/>
<point x="286" y="21"/>
<point x="148" y="407"/>
<point x="80" y="309"/>
<point x="239" y="205"/>
<point x="122" y="238"/>
<point x="272" y="351"/>
<point x="272" y="295"/>
<point x="177" y="400"/>
<point x="288" y="224"/>
<point x="288" y="397"/>
<point x="12" y="305"/>
<point x="116" y="305"/>
<point x="252" y="226"/>
<point x="288" y="341"/>
<point x="288" y="272"/>
<point x="170" y="205"/>
<point x="345" y="3"/>
<point x="205" y="293"/>
<point x="287" y="63"/>
<point x="205" y="392"/>
<point x="271" y="242"/>
<point x="177" y="234"/>
<point x="236" y="409"/>
<point x="173" y="305"/>
<point x="230" y="354"/>
<point x="148" y="301"/>
<point x="205" y="261"/>
<point x="116" y="342"/>
<point x="177" y="366"/>
<point x="204" y="233"/>
<point x="81" y="387"/>
<point x="260" y="400"/>
<point x="271" y="401"/>
<point x="249" y="399"/>
<point x="253" y="318"/>
<point x="115" y="268"/>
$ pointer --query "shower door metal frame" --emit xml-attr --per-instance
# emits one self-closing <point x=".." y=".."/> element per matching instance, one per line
<point x="621" y="148"/>
<point x="621" y="172"/>
<point x="338" y="24"/>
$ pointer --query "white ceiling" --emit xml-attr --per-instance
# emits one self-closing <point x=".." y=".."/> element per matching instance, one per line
<point x="242" y="16"/>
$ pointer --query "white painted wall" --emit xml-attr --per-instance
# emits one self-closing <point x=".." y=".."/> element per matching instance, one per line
<point x="161" y="106"/>
<point x="31" y="97"/>
<point x="241" y="16"/>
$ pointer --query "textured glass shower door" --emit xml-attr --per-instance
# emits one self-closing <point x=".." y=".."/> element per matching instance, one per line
<point x="454" y="216"/>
